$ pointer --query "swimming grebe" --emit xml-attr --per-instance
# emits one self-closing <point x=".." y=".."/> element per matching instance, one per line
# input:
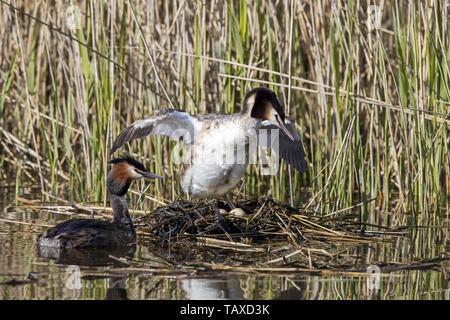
<point x="211" y="137"/>
<point x="91" y="233"/>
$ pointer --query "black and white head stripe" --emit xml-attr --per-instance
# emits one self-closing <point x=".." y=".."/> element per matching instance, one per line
<point x="130" y="161"/>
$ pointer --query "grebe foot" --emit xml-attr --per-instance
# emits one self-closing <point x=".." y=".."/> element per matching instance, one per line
<point x="229" y="200"/>
<point x="227" y="226"/>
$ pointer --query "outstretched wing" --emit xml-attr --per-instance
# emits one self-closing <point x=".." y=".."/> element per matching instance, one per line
<point x="169" y="122"/>
<point x="289" y="150"/>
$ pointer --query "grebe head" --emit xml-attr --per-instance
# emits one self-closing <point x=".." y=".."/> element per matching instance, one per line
<point x="124" y="170"/>
<point x="262" y="103"/>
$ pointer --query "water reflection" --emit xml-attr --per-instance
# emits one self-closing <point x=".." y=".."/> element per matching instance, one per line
<point x="29" y="273"/>
<point x="86" y="257"/>
<point x="231" y="289"/>
<point x="117" y="289"/>
<point x="204" y="289"/>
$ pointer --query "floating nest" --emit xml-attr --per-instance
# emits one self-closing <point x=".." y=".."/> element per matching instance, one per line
<point x="264" y="236"/>
<point x="258" y="221"/>
<point x="258" y="233"/>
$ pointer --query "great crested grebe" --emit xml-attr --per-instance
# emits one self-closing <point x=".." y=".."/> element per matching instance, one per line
<point x="210" y="138"/>
<point x="91" y="233"/>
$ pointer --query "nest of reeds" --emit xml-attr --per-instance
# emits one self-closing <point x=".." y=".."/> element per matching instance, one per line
<point x="257" y="221"/>
<point x="258" y="232"/>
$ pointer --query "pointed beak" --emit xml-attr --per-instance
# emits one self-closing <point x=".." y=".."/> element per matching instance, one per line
<point x="281" y="125"/>
<point x="151" y="175"/>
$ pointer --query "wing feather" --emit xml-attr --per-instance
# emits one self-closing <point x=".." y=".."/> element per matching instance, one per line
<point x="169" y="122"/>
<point x="289" y="150"/>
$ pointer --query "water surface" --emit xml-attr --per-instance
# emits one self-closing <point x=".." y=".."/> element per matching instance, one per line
<point x="26" y="275"/>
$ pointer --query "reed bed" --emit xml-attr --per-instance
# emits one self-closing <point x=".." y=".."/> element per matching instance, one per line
<point x="258" y="220"/>
<point x="372" y="104"/>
